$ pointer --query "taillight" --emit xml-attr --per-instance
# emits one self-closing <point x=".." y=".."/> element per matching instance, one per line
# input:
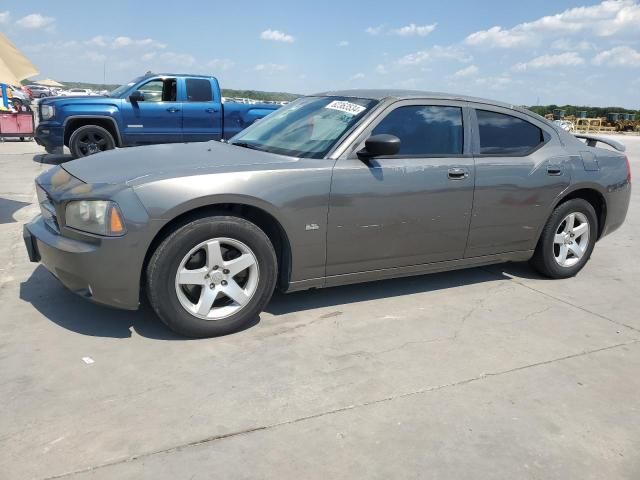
<point x="626" y="159"/>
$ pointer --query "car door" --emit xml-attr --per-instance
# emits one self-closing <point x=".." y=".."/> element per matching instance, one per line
<point x="520" y="170"/>
<point x="407" y="209"/>
<point x="201" y="111"/>
<point x="158" y="117"/>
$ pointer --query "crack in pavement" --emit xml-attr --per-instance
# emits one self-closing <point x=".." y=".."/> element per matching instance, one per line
<point x="346" y="408"/>
<point x="566" y="302"/>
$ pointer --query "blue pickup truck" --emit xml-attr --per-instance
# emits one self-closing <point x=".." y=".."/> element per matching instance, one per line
<point x="154" y="108"/>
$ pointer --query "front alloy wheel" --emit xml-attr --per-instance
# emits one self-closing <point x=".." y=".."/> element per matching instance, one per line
<point x="211" y="276"/>
<point x="217" y="278"/>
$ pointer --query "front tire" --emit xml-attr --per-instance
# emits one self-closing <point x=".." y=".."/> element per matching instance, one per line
<point x="211" y="276"/>
<point x="567" y="240"/>
<point x="90" y="139"/>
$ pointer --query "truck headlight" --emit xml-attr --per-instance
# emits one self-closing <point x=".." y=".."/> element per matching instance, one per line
<point x="47" y="112"/>
<point x="101" y="217"/>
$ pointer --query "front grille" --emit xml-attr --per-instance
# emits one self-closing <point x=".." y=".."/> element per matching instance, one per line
<point x="47" y="209"/>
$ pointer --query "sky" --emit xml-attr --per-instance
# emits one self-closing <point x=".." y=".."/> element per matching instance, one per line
<point x="523" y="52"/>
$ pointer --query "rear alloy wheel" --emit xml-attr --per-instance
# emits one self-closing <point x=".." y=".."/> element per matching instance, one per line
<point x="567" y="240"/>
<point x="211" y="276"/>
<point x="90" y="139"/>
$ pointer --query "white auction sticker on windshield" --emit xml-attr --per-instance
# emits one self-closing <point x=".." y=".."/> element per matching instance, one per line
<point x="346" y="107"/>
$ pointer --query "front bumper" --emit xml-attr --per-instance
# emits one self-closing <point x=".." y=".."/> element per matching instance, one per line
<point x="51" y="137"/>
<point x="97" y="271"/>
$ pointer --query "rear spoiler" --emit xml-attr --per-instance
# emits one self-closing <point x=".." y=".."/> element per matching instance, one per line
<point x="592" y="140"/>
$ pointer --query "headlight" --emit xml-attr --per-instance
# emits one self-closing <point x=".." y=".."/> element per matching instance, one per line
<point x="47" y="112"/>
<point x="95" y="216"/>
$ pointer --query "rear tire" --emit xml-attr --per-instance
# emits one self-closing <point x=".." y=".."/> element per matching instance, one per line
<point x="90" y="139"/>
<point x="567" y="240"/>
<point x="202" y="261"/>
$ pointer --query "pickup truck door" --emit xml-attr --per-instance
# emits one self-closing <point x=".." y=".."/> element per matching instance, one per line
<point x="407" y="209"/>
<point x="157" y="118"/>
<point x="521" y="168"/>
<point x="201" y="110"/>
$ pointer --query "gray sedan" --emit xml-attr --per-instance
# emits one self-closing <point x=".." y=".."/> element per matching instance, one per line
<point x="334" y="188"/>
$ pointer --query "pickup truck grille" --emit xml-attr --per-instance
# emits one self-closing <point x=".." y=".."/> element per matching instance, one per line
<point x="47" y="209"/>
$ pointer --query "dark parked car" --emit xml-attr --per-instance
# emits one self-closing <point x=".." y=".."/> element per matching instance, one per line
<point x="332" y="189"/>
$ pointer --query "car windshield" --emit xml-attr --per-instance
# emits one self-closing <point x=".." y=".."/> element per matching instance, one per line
<point x="117" y="92"/>
<point x="308" y="127"/>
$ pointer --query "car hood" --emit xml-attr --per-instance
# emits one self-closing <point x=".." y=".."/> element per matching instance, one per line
<point x="140" y="165"/>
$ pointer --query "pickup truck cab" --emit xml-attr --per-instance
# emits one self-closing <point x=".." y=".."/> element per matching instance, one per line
<point x="153" y="108"/>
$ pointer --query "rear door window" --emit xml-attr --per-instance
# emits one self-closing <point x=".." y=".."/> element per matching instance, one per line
<point x="199" y="90"/>
<point x="502" y="134"/>
<point x="425" y="130"/>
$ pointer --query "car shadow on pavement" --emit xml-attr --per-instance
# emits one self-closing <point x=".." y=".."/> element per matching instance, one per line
<point x="79" y="315"/>
<point x="52" y="158"/>
<point x="8" y="208"/>
<point x="282" y="304"/>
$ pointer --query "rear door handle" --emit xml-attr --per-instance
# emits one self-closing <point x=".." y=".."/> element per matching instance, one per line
<point x="211" y="110"/>
<point x="173" y="109"/>
<point x="554" y="170"/>
<point x="458" y="173"/>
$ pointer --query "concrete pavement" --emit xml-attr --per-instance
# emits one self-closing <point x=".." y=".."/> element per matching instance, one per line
<point x="484" y="373"/>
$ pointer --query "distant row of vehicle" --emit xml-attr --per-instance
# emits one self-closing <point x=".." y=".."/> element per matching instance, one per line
<point x="27" y="93"/>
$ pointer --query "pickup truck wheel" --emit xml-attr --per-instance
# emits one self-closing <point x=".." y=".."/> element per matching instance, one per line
<point x="90" y="139"/>
<point x="567" y="240"/>
<point x="212" y="276"/>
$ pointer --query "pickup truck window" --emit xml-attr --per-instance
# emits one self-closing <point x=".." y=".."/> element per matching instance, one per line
<point x="160" y="90"/>
<point x="199" y="90"/>
<point x="308" y="127"/>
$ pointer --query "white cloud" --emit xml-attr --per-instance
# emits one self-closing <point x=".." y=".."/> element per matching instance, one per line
<point x="381" y="69"/>
<point x="622" y="56"/>
<point x="415" y="30"/>
<point x="608" y="18"/>
<point x="566" y="44"/>
<point x="469" y="71"/>
<point x="436" y="52"/>
<point x="150" y="42"/>
<point x="35" y="20"/>
<point x="357" y="76"/>
<point x="120" y="42"/>
<point x="4" y="17"/>
<point x="97" y="41"/>
<point x="148" y="56"/>
<point x="270" y="68"/>
<point x="374" y="30"/>
<point x="276" y="36"/>
<point x="343" y="44"/>
<point x="571" y="59"/>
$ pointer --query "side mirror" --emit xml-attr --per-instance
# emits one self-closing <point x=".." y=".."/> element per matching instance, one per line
<point x="380" y="145"/>
<point x="136" y="96"/>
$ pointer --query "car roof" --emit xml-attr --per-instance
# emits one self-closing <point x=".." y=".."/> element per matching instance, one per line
<point x="382" y="94"/>
<point x="392" y="94"/>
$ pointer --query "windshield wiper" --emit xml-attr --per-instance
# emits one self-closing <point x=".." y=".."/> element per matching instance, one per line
<point x="252" y="146"/>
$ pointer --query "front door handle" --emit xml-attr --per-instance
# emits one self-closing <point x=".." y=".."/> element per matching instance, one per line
<point x="173" y="109"/>
<point x="211" y="110"/>
<point x="554" y="170"/>
<point x="458" y="173"/>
